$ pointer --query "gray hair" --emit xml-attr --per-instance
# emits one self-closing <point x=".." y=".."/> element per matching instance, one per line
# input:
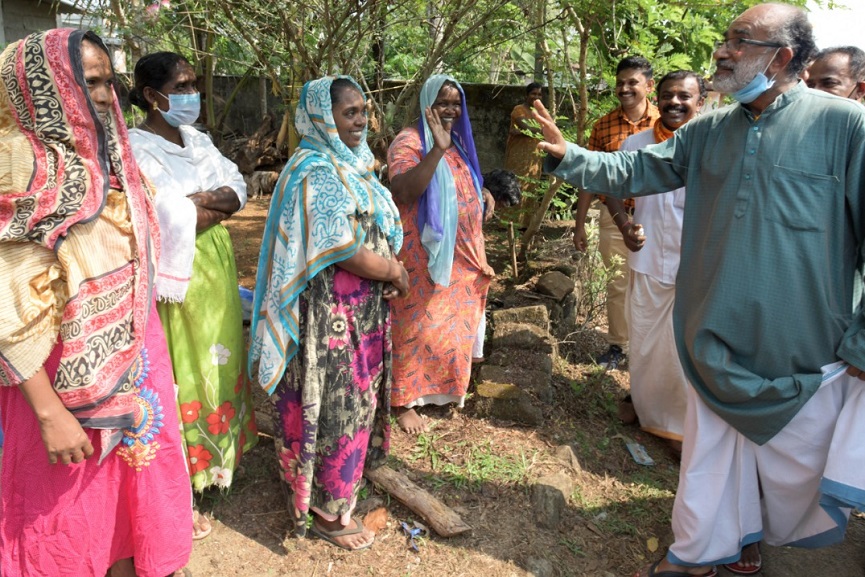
<point x="795" y="32"/>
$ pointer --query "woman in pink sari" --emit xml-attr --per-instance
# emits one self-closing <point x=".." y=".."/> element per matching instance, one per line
<point x="93" y="477"/>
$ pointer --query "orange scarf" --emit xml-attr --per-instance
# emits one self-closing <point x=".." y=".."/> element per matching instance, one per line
<point x="661" y="132"/>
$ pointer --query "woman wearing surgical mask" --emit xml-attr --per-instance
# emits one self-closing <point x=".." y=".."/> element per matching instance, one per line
<point x="196" y="287"/>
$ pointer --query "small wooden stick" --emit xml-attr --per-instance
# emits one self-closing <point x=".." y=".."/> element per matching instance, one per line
<point x="441" y="518"/>
<point x="512" y="243"/>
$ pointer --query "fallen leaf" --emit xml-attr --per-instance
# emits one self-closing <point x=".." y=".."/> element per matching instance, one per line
<point x="652" y="544"/>
<point x="376" y="520"/>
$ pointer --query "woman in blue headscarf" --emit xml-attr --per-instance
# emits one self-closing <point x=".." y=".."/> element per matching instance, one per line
<point x="437" y="185"/>
<point x="320" y="332"/>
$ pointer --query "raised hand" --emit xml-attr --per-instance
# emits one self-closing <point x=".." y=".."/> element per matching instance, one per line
<point x="553" y="143"/>
<point x="441" y="132"/>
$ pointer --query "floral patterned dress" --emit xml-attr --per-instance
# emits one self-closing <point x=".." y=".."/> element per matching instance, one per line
<point x="333" y="401"/>
<point x="205" y="339"/>
<point x="435" y="327"/>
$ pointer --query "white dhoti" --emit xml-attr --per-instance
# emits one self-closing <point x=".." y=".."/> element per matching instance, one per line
<point x="797" y="489"/>
<point x="658" y="383"/>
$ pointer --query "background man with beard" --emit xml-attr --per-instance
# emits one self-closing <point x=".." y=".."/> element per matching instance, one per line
<point x="839" y="71"/>
<point x="658" y="384"/>
<point x="635" y="114"/>
<point x="768" y="317"/>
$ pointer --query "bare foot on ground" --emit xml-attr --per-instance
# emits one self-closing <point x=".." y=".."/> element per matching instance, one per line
<point x="659" y="567"/>
<point x="122" y="568"/>
<point x="626" y="413"/>
<point x="353" y="537"/>
<point x="409" y="421"/>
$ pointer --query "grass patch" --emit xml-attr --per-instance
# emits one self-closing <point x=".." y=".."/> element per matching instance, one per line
<point x="467" y="465"/>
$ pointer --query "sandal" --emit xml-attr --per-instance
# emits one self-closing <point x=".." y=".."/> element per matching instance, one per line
<point x="329" y="536"/>
<point x="201" y="526"/>
<point x="740" y="569"/>
<point x="654" y="573"/>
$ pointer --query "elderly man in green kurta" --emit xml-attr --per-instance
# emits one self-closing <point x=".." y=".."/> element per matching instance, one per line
<point x="768" y="316"/>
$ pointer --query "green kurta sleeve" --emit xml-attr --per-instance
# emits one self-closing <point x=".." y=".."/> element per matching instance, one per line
<point x="769" y="288"/>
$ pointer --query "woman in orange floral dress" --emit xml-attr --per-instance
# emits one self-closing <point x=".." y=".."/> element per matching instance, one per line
<point x="437" y="185"/>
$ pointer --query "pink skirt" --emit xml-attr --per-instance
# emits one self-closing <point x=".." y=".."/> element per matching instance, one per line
<point x="78" y="520"/>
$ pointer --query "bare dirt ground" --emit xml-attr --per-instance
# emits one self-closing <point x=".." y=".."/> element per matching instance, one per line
<point x="616" y="520"/>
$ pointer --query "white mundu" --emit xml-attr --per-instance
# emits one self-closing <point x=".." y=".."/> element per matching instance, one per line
<point x="803" y="471"/>
<point x="657" y="381"/>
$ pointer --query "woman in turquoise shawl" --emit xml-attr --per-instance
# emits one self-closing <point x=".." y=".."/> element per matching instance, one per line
<point x="321" y="342"/>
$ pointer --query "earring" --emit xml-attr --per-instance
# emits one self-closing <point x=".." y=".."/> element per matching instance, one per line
<point x="155" y="105"/>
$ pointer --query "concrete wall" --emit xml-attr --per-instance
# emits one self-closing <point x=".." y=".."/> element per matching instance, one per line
<point x="253" y="100"/>
<point x="489" y="110"/>
<point x="21" y="17"/>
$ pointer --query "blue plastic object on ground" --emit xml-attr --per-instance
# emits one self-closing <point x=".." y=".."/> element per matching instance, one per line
<point x="246" y="302"/>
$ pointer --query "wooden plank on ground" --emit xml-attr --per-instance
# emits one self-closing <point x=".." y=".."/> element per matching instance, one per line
<point x="441" y="518"/>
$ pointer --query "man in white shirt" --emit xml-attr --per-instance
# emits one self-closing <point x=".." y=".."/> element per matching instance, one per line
<point x="658" y="383"/>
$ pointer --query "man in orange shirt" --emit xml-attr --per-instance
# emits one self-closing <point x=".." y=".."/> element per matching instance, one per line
<point x="634" y="114"/>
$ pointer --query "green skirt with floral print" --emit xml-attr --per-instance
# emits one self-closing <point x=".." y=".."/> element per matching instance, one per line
<point x="205" y="341"/>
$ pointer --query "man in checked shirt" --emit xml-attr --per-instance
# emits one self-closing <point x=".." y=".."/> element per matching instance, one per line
<point x="634" y="114"/>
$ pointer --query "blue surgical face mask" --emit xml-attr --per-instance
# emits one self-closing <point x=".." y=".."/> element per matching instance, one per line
<point x="182" y="108"/>
<point x="760" y="84"/>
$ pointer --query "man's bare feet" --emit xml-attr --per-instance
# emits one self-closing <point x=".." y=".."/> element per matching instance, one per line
<point x="353" y="537"/>
<point x="409" y="421"/>
<point x="665" y="567"/>
<point x="626" y="413"/>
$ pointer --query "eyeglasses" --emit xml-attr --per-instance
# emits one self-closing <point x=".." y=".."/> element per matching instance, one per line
<point x="735" y="44"/>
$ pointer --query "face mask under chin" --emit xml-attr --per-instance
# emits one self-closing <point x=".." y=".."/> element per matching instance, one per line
<point x="751" y="90"/>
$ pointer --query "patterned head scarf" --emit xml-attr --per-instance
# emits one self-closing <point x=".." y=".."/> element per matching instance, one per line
<point x="312" y="224"/>
<point x="437" y="206"/>
<point x="63" y="158"/>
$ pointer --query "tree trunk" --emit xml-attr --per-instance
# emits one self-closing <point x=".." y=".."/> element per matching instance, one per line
<point x="538" y="217"/>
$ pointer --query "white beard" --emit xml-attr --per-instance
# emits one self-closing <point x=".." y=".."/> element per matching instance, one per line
<point x="742" y="74"/>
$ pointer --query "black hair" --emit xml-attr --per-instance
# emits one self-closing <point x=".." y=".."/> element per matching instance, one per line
<point x="635" y="63"/>
<point x="153" y="70"/>
<point x="533" y="86"/>
<point x="338" y="88"/>
<point x="681" y="75"/>
<point x="856" y="56"/>
<point x="797" y="34"/>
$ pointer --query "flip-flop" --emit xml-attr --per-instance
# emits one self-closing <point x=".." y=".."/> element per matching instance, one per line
<point x="653" y="573"/>
<point x="329" y="535"/>
<point x="740" y="569"/>
<point x="198" y="535"/>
